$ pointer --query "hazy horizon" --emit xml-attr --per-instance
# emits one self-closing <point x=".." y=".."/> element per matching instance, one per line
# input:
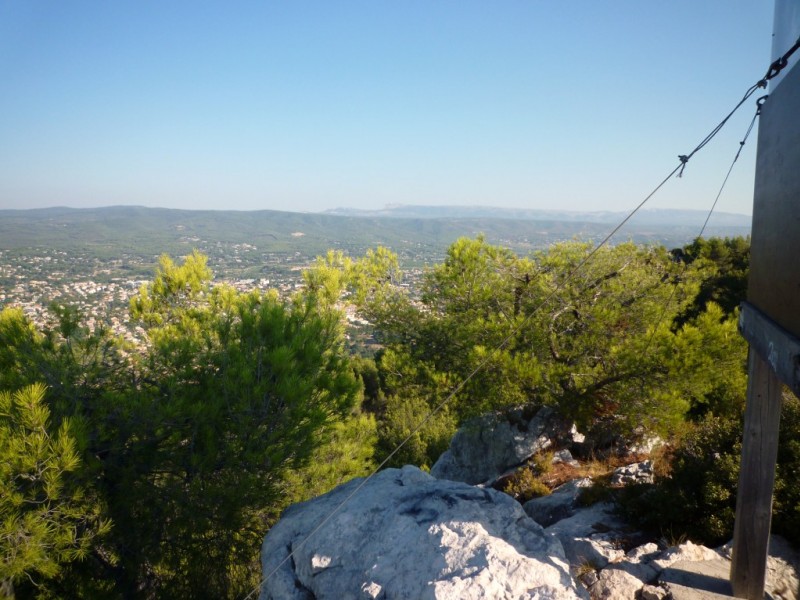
<point x="317" y="106"/>
<point x="349" y="210"/>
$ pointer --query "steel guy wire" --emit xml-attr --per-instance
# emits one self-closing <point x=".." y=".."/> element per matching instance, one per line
<point x="759" y="104"/>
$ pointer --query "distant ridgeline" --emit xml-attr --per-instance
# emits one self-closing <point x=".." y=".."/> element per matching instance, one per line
<point x="644" y="218"/>
<point x="418" y="234"/>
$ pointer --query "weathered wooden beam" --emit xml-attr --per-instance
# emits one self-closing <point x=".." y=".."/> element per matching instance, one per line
<point x="779" y="348"/>
<point x="756" y="480"/>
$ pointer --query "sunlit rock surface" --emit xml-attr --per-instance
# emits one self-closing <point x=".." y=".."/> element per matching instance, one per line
<point x="407" y="535"/>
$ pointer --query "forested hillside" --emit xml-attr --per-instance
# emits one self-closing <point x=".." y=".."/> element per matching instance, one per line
<point x="155" y="471"/>
<point x="419" y="237"/>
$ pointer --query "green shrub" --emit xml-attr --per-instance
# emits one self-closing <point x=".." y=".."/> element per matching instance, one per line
<point x="786" y="507"/>
<point x="347" y="452"/>
<point x="47" y="517"/>
<point x="524" y="485"/>
<point x="543" y="462"/>
<point x="699" y="498"/>
<point x="403" y="416"/>
<point x="599" y="491"/>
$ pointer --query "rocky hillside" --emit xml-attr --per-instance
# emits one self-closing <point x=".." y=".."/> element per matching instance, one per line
<point x="450" y="535"/>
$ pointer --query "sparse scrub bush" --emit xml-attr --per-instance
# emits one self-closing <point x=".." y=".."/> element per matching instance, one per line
<point x="347" y="452"/>
<point x="599" y="491"/>
<point x="699" y="497"/>
<point x="367" y="371"/>
<point x="542" y="462"/>
<point x="524" y="485"/>
<point x="662" y="458"/>
<point x="412" y="390"/>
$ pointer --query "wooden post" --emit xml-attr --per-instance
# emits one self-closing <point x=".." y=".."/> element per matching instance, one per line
<point x="756" y="480"/>
<point x="772" y="288"/>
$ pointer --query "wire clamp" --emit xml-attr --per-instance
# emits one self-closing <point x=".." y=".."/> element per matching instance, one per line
<point x="760" y="104"/>
<point x="776" y="67"/>
<point x="779" y="64"/>
<point x="684" y="160"/>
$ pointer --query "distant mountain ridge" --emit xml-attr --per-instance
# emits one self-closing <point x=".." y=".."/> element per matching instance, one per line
<point x="417" y="234"/>
<point x="648" y="216"/>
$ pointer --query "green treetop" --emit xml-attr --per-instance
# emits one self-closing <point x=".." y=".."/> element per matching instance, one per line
<point x="46" y="516"/>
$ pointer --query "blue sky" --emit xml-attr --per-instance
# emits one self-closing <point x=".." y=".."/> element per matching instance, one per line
<point x="306" y="106"/>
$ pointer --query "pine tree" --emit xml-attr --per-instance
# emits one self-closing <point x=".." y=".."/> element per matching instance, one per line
<point x="46" y="518"/>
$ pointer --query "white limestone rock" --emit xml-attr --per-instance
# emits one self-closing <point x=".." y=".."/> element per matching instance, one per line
<point x="407" y="535"/>
<point x="783" y="570"/>
<point x="547" y="510"/>
<point x="564" y="456"/>
<point x="591" y="535"/>
<point x="643" y="553"/>
<point x="687" y="551"/>
<point x="653" y="592"/>
<point x="623" y="580"/>
<point x="490" y="445"/>
<point x="629" y="576"/>
<point x="616" y="583"/>
<point x="641" y="472"/>
<point x="575" y="436"/>
<point x="645" y="445"/>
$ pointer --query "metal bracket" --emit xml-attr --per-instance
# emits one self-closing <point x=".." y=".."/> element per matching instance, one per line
<point x="776" y="346"/>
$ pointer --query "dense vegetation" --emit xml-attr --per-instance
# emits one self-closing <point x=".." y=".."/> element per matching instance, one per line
<point x="595" y="335"/>
<point x="155" y="471"/>
<point x="418" y="235"/>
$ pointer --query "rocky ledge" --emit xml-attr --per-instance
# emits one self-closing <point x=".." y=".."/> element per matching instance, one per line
<point x="406" y="535"/>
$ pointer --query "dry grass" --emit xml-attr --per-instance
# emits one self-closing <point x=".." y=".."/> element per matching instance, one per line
<point x="560" y="474"/>
<point x="540" y="473"/>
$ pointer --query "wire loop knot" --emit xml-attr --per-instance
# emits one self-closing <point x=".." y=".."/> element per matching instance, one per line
<point x="684" y="158"/>
<point x="779" y="64"/>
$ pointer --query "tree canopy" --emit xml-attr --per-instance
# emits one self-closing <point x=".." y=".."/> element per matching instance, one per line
<point x="47" y="518"/>
<point x="190" y="442"/>
<point x="593" y="333"/>
<point x="155" y="470"/>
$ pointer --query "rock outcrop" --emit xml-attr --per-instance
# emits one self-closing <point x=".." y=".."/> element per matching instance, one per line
<point x="689" y="571"/>
<point x="407" y="535"/>
<point x="547" y="510"/>
<point x="641" y="472"/>
<point x="490" y="445"/>
<point x="591" y="536"/>
<point x="404" y="534"/>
